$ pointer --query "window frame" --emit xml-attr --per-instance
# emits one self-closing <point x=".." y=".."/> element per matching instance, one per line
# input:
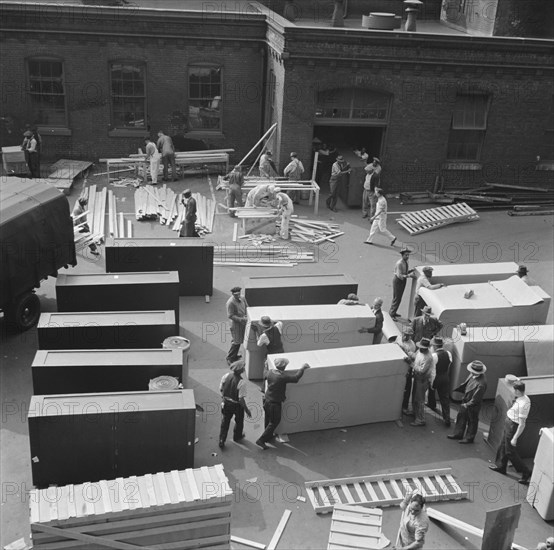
<point x="128" y="130"/>
<point x="201" y="130"/>
<point x="57" y="128"/>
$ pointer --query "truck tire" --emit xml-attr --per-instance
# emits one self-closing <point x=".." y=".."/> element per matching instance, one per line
<point x="25" y="312"/>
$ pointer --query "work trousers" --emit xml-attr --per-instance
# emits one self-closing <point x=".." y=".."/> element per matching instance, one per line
<point x="166" y="161"/>
<point x="507" y="451"/>
<point x="407" y="389"/>
<point x="380" y="225"/>
<point x="333" y="193"/>
<point x="369" y="203"/>
<point x="154" y="169"/>
<point x="188" y="229"/>
<point x="228" y="410"/>
<point x="442" y="387"/>
<point x="33" y="161"/>
<point x="234" y="198"/>
<point x="398" y="286"/>
<point x="467" y="422"/>
<point x="418" y="399"/>
<point x="237" y="337"/>
<point x="272" y="418"/>
<point x="285" y="221"/>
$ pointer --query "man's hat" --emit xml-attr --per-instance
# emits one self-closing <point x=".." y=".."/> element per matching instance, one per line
<point x="238" y="366"/>
<point x="340" y="157"/>
<point x="236" y="289"/>
<point x="281" y="363"/>
<point x="376" y="160"/>
<point x="187" y="193"/>
<point x="476" y="367"/>
<point x="427" y="269"/>
<point x="424" y="343"/>
<point x="293" y="154"/>
<point x="522" y="269"/>
<point x="405" y="251"/>
<point x="408" y="330"/>
<point x="427" y="309"/>
<point x="266" y="321"/>
<point x="438" y="342"/>
<point x="268" y="152"/>
<point x="28" y="133"/>
<point x="352" y="297"/>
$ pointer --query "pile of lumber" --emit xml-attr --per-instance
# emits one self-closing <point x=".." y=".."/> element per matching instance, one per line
<point x="422" y="221"/>
<point x="261" y="251"/>
<point x="116" y="222"/>
<point x="312" y="231"/>
<point x="94" y="217"/>
<point x="205" y="212"/>
<point x="152" y="203"/>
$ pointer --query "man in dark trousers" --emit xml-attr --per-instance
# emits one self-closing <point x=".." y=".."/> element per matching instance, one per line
<point x="401" y="274"/>
<point x="236" y="312"/>
<point x="339" y="174"/>
<point x="233" y="391"/>
<point x="377" y="330"/>
<point x="236" y="181"/>
<point x="441" y="383"/>
<point x="189" y="202"/>
<point x="426" y="326"/>
<point x="514" y="424"/>
<point x="473" y="388"/>
<point x="275" y="393"/>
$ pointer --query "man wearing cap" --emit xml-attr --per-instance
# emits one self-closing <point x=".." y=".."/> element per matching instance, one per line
<point x="514" y="424"/>
<point x="267" y="165"/>
<point x="401" y="274"/>
<point x="339" y="171"/>
<point x="424" y="280"/>
<point x="261" y="195"/>
<point x="275" y="393"/>
<point x="441" y="383"/>
<point x="377" y="330"/>
<point x="409" y="348"/>
<point x="233" y="391"/>
<point x="371" y="181"/>
<point x="423" y="369"/>
<point x="293" y="172"/>
<point x="379" y="219"/>
<point x="269" y="335"/>
<point x="473" y="388"/>
<point x="522" y="272"/>
<point x="236" y="181"/>
<point x="286" y="209"/>
<point x="350" y="300"/>
<point x="188" y="228"/>
<point x="153" y="157"/>
<point x="236" y="312"/>
<point x="426" y="325"/>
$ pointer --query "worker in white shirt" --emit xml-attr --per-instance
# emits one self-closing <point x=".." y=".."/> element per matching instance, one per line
<point x="514" y="424"/>
<point x="267" y="165"/>
<point x="379" y="220"/>
<point x="153" y="157"/>
<point x="285" y="209"/>
<point x="261" y="195"/>
<point x="424" y="281"/>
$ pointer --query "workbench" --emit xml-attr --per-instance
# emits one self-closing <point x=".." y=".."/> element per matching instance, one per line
<point x="344" y="387"/>
<point x="286" y="185"/>
<point x="305" y="328"/>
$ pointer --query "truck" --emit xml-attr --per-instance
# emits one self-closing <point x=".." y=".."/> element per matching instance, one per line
<point x="36" y="239"/>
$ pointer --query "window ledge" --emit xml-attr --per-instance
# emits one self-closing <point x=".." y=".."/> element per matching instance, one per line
<point x="53" y="131"/>
<point x="462" y="165"/>
<point x="203" y="134"/>
<point x="545" y="165"/>
<point x="128" y="132"/>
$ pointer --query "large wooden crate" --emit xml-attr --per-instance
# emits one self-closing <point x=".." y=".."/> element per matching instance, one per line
<point x="158" y="290"/>
<point x="75" y="438"/>
<point x="192" y="258"/>
<point x="105" y="329"/>
<point x="103" y="370"/>
<point x="167" y="511"/>
<point x="298" y="290"/>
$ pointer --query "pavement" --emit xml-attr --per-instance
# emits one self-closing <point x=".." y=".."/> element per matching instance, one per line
<point x="266" y="483"/>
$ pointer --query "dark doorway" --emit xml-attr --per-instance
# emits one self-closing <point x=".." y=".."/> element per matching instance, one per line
<point x="344" y="140"/>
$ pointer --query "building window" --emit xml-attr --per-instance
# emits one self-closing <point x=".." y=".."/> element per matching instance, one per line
<point x="47" y="92"/>
<point x="469" y="124"/>
<point x="128" y="91"/>
<point x="205" y="103"/>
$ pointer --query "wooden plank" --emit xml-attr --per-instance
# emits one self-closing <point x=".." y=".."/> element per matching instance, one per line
<point x="371" y="491"/>
<point x="359" y="492"/>
<point x="280" y="528"/>
<point x="347" y="494"/>
<point x="177" y="485"/>
<point x="160" y="478"/>
<point x="192" y="484"/>
<point x="398" y="493"/>
<point x="384" y="489"/>
<point x="34" y="495"/>
<point x="323" y="497"/>
<point x="247" y="542"/>
<point x="149" y="480"/>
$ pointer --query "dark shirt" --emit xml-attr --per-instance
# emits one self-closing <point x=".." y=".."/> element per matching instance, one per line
<point x="377" y="330"/>
<point x="236" y="178"/>
<point x="190" y="210"/>
<point x="275" y="341"/>
<point x="231" y="387"/>
<point x="474" y="389"/>
<point x="443" y="364"/>
<point x="277" y="381"/>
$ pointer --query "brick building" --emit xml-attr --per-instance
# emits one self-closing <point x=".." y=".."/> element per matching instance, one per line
<point x="453" y="99"/>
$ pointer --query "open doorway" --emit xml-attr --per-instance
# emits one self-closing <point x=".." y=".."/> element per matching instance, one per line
<point x="343" y="140"/>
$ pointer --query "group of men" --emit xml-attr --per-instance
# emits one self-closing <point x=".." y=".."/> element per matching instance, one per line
<point x="162" y="151"/>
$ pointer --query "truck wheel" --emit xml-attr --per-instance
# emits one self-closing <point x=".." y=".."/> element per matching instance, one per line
<point x="26" y="311"/>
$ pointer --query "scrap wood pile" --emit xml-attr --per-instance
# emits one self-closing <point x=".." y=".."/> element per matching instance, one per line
<point x="313" y="232"/>
<point x="164" y="204"/>
<point x="93" y="217"/>
<point x="422" y="221"/>
<point x="488" y="196"/>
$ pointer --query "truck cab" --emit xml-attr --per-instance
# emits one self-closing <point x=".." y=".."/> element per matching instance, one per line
<point x="36" y="239"/>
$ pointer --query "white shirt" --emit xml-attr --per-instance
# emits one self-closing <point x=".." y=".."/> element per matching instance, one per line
<point x="263" y="340"/>
<point x="519" y="411"/>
